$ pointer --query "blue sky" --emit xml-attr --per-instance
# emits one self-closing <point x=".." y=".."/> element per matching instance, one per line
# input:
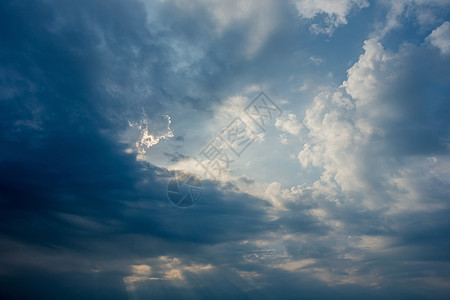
<point x="344" y="193"/>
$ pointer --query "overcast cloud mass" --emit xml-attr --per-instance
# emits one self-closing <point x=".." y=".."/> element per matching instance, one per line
<point x="343" y="194"/>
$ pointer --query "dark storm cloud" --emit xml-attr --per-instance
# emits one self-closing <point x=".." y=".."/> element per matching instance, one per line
<point x="71" y="198"/>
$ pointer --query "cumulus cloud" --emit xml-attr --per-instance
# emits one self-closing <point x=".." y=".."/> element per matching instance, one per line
<point x="374" y="141"/>
<point x="351" y="139"/>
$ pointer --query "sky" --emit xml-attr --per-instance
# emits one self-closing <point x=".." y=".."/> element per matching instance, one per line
<point x="207" y="149"/>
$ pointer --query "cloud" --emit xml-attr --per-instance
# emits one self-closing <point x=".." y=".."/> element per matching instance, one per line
<point x="80" y="212"/>
<point x="289" y="124"/>
<point x="258" y="18"/>
<point x="164" y="268"/>
<point x="316" y="60"/>
<point x="347" y="124"/>
<point x="146" y="139"/>
<point x="64" y="164"/>
<point x="336" y="13"/>
<point x="440" y="38"/>
<point x="380" y="144"/>
<point x="425" y="13"/>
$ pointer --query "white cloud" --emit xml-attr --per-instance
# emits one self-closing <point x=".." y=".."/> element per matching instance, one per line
<point x="151" y="133"/>
<point x="336" y="139"/>
<point x="425" y="11"/>
<point x="440" y="38"/>
<point x="351" y="135"/>
<point x="362" y="78"/>
<point x="289" y="124"/>
<point x="336" y="11"/>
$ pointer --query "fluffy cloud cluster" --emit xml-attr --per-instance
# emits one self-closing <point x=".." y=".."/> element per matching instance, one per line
<point x="382" y="121"/>
<point x="381" y="128"/>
